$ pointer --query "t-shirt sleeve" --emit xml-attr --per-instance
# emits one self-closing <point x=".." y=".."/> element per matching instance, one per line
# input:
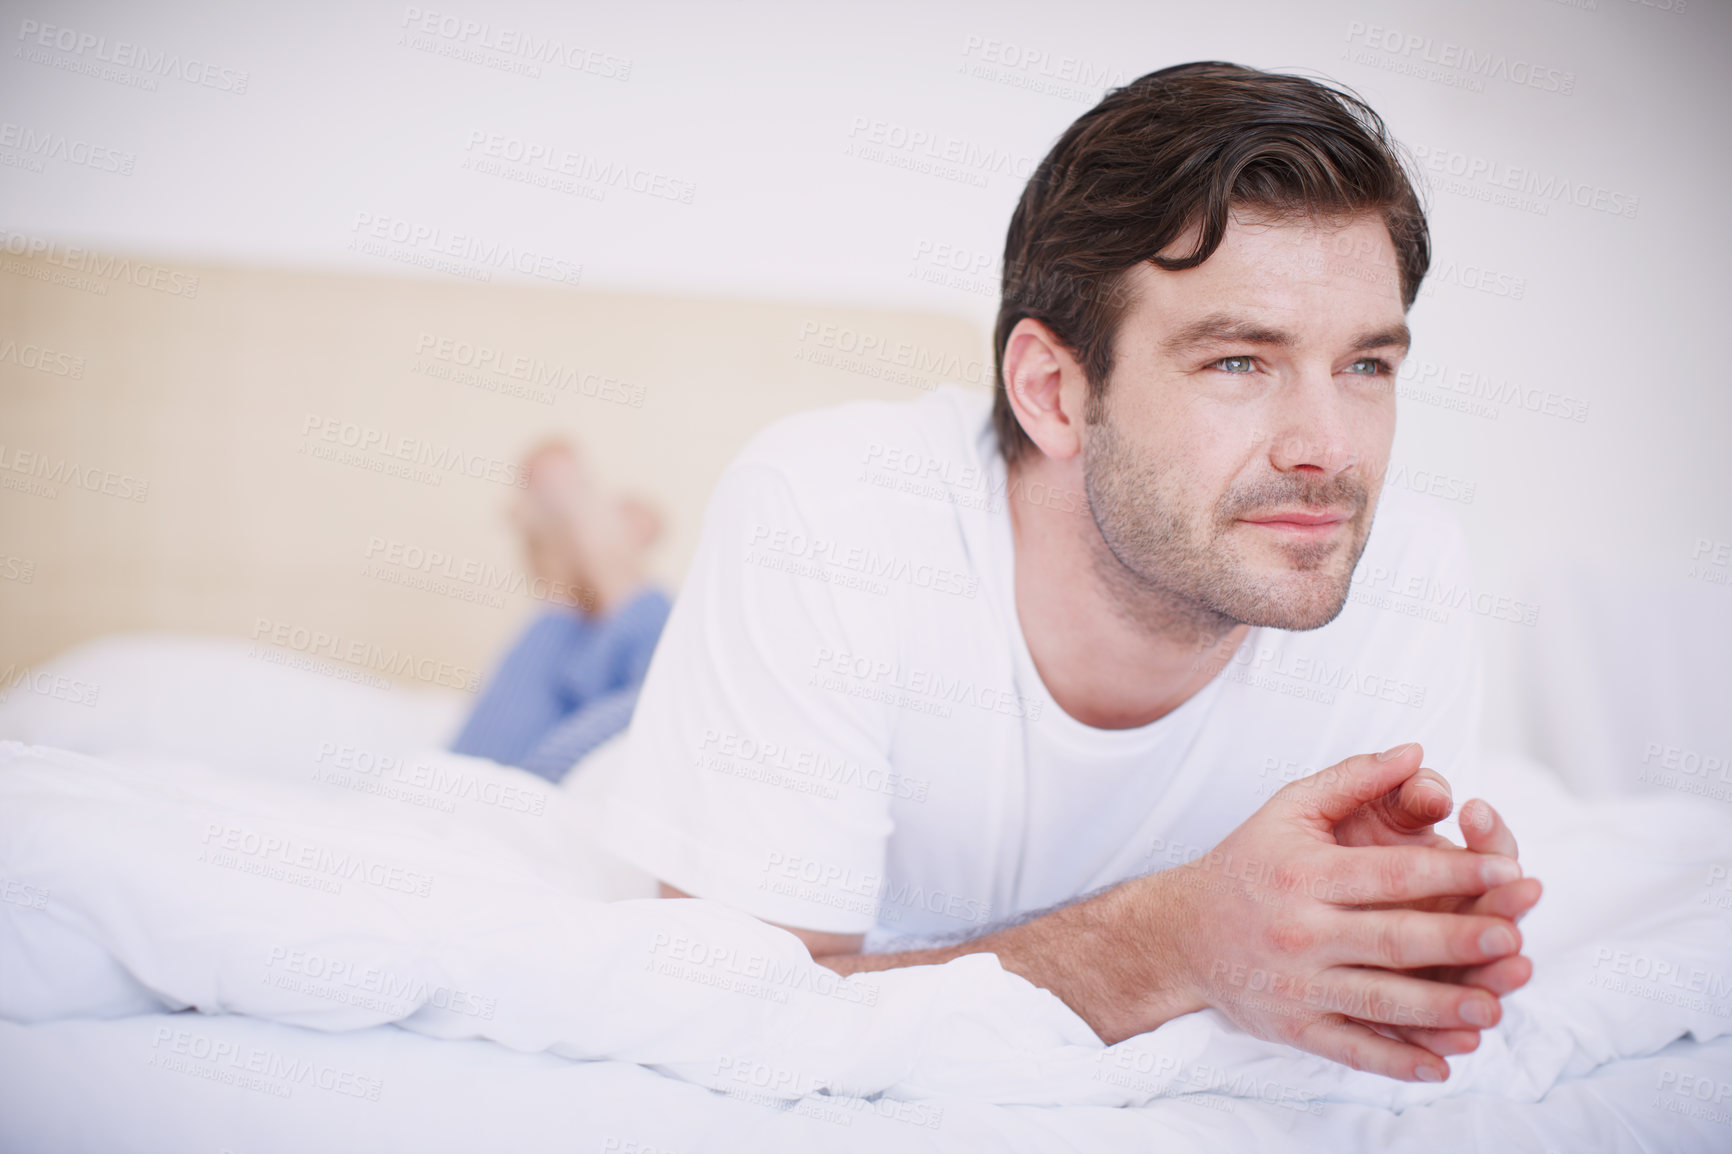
<point x="746" y="782"/>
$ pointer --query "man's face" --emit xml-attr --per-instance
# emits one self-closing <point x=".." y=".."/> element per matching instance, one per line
<point x="1247" y="423"/>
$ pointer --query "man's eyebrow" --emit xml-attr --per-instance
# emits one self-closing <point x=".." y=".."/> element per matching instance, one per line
<point x="1399" y="336"/>
<point x="1220" y="329"/>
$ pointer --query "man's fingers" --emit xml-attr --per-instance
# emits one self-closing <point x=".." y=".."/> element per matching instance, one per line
<point x="1504" y="976"/>
<point x="1485" y="831"/>
<point x="1368" y="875"/>
<point x="1401" y="939"/>
<point x="1443" y="1043"/>
<point x="1355" y="1044"/>
<point x="1367" y="825"/>
<point x="1374" y="995"/>
<point x="1512" y="901"/>
<point x="1422" y="801"/>
<point x="1329" y="795"/>
<point x="1403" y="816"/>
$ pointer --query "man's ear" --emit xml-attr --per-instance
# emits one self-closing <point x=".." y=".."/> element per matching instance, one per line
<point x="1046" y="387"/>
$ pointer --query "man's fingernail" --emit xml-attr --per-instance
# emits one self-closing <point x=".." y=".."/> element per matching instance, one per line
<point x="1497" y="871"/>
<point x="1427" y="1074"/>
<point x="1392" y="754"/>
<point x="1476" y="1012"/>
<point x="1440" y="803"/>
<point x="1497" y="942"/>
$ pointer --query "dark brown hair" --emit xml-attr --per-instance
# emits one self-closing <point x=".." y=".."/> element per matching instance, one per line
<point x="1170" y="150"/>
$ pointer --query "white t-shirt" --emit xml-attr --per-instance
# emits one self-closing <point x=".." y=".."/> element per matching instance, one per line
<point x="842" y="728"/>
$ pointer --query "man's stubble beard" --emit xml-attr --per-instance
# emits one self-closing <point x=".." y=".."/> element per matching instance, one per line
<point x="1177" y="579"/>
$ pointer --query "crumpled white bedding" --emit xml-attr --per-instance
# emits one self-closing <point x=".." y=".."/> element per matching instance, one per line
<point x="137" y="881"/>
<point x="118" y="1087"/>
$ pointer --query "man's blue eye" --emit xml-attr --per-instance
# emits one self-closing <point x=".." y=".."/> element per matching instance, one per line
<point x="1234" y="364"/>
<point x="1370" y="366"/>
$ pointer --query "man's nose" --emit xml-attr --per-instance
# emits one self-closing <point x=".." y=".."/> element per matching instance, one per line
<point x="1311" y="432"/>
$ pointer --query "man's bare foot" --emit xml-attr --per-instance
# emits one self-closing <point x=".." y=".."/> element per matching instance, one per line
<point x="591" y="543"/>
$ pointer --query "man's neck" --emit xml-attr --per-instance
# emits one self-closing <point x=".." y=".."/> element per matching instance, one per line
<point x="1113" y="653"/>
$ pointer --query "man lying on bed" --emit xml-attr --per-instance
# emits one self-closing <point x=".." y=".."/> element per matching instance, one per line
<point x="1040" y="660"/>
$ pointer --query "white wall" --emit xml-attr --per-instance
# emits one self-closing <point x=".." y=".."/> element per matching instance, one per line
<point x="753" y="109"/>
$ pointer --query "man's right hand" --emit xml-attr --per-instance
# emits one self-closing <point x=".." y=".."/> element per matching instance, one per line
<point x="1280" y="929"/>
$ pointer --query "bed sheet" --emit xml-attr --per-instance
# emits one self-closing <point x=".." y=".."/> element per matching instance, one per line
<point x="1587" y="1058"/>
<point x="118" y="1087"/>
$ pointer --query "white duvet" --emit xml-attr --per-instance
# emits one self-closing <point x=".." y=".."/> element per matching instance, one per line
<point x="323" y="879"/>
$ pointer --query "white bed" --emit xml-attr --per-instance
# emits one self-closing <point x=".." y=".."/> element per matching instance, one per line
<point x="543" y="1006"/>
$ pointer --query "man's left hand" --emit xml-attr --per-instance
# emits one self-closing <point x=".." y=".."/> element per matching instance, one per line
<point x="1407" y="815"/>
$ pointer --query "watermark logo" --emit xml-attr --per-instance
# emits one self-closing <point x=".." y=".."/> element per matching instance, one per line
<point x="1449" y="63"/>
<point x="799" y="768"/>
<point x="727" y="967"/>
<point x="1659" y="979"/>
<point x="931" y="152"/>
<point x="443" y="572"/>
<point x="41" y="359"/>
<point x="1493" y="181"/>
<point x="557" y="169"/>
<point x="258" y="1068"/>
<point x="24" y="894"/>
<point x="460" y="254"/>
<point x="305" y="864"/>
<point x="39" y="474"/>
<point x="58" y="686"/>
<point x="1477" y="393"/>
<point x="1478" y="278"/>
<point x="1686" y="770"/>
<point x="418" y="782"/>
<point x="495" y="370"/>
<point x="969" y="485"/>
<point x="1424" y="596"/>
<point x="912" y="687"/>
<point x="375" y="450"/>
<point x="1431" y="483"/>
<point x="369" y="987"/>
<point x="833" y="886"/>
<point x="76" y="267"/>
<point x="123" y="62"/>
<point x="886" y="358"/>
<point x="1711" y="561"/>
<point x="1037" y="69"/>
<point x="1313" y="678"/>
<point x="852" y="566"/>
<point x="310" y="643"/>
<point x="29" y="148"/>
<point x="504" y="48"/>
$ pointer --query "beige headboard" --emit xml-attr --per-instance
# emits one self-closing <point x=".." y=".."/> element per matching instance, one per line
<point x="167" y="431"/>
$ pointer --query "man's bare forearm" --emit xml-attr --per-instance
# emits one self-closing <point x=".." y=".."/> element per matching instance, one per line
<point x="1102" y="957"/>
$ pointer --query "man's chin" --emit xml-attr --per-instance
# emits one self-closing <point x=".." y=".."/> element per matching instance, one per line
<point x="1293" y="601"/>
